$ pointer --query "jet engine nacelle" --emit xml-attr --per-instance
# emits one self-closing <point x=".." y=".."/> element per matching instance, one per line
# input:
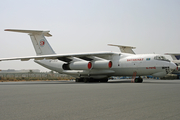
<point x="102" y="64"/>
<point x="85" y="65"/>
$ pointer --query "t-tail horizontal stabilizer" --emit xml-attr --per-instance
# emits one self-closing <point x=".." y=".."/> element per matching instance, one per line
<point x="125" y="49"/>
<point x="41" y="45"/>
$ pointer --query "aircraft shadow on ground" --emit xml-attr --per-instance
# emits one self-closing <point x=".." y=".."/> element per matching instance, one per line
<point x="58" y="82"/>
<point x="75" y="83"/>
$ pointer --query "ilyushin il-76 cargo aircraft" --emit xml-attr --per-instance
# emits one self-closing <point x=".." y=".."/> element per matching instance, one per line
<point x="96" y="66"/>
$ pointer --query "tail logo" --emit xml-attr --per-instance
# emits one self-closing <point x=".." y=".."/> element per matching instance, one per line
<point x="42" y="43"/>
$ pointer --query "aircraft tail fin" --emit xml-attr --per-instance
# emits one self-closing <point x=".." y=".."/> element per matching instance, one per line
<point x="41" y="45"/>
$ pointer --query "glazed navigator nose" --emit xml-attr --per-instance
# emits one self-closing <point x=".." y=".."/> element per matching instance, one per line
<point x="172" y="66"/>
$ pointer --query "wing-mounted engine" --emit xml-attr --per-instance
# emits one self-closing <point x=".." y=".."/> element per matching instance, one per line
<point x="79" y="65"/>
<point x="87" y="65"/>
<point x="102" y="64"/>
<point x="87" y="62"/>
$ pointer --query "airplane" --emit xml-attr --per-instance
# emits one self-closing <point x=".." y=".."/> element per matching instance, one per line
<point x="95" y="66"/>
<point x="176" y="60"/>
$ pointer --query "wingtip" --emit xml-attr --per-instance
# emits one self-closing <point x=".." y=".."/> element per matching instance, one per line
<point x="6" y="29"/>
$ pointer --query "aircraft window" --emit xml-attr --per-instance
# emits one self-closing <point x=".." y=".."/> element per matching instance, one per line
<point x="161" y="58"/>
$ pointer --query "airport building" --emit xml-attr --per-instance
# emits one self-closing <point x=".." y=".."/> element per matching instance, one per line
<point x="20" y="71"/>
<point x="32" y="74"/>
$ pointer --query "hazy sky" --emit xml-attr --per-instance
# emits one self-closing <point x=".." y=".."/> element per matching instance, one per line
<point x="152" y="26"/>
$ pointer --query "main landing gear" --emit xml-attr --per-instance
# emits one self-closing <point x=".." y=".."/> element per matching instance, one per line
<point x="87" y="80"/>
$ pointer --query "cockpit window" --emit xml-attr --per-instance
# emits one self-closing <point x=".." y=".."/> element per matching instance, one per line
<point x="161" y="58"/>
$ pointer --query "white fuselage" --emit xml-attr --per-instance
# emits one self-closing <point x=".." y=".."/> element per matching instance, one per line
<point x="123" y="64"/>
<point x="95" y="65"/>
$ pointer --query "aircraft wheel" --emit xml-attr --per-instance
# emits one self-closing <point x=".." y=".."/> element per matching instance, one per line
<point x="138" y="80"/>
<point x="141" y="80"/>
<point x="92" y="80"/>
<point x="77" y="80"/>
<point x="104" y="80"/>
<point x="86" y="80"/>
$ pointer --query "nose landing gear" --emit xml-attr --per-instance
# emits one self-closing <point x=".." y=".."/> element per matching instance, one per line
<point x="138" y="80"/>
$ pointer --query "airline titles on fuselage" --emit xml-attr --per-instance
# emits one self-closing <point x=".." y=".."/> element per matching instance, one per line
<point x="150" y="67"/>
<point x="141" y="59"/>
<point x="138" y="59"/>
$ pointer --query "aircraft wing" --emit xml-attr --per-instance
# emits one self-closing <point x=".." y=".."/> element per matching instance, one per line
<point x="124" y="49"/>
<point x="65" y="57"/>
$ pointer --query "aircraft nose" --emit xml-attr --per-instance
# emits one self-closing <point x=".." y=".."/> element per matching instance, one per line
<point x="172" y="66"/>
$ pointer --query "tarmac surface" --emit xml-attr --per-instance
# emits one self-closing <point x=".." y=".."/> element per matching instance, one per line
<point x="67" y="100"/>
